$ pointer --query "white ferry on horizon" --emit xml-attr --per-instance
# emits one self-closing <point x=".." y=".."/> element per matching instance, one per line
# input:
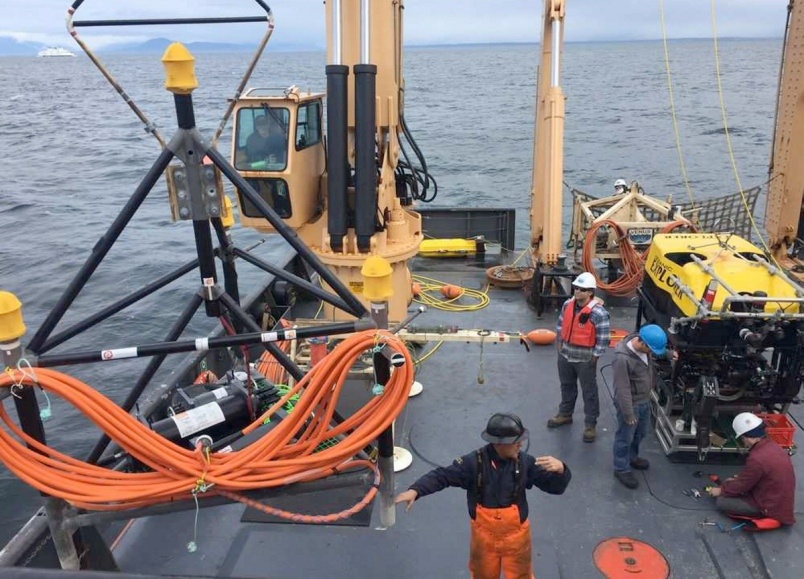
<point x="54" y="51"/>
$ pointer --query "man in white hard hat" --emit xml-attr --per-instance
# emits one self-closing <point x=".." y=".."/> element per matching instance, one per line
<point x="583" y="334"/>
<point x="620" y="187"/>
<point x="766" y="486"/>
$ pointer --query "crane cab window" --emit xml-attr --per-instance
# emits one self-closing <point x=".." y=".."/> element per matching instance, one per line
<point x="262" y="139"/>
<point x="308" y="125"/>
<point x="273" y="191"/>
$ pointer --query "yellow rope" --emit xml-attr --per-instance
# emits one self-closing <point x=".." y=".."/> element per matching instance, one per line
<point x="728" y="136"/>
<point x="430" y="295"/>
<point x="430" y="352"/>
<point x="673" y="105"/>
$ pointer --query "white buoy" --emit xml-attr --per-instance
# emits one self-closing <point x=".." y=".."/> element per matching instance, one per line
<point x="402" y="459"/>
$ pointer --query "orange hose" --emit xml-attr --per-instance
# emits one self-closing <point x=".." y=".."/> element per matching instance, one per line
<point x="269" y="367"/>
<point x="633" y="261"/>
<point x="283" y="456"/>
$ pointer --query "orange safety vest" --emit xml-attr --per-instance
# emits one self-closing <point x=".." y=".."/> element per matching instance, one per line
<point x="577" y="329"/>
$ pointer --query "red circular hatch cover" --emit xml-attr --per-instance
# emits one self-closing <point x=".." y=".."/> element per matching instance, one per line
<point x="624" y="557"/>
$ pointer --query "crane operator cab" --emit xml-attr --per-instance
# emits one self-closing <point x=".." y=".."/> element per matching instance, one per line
<point x="278" y="147"/>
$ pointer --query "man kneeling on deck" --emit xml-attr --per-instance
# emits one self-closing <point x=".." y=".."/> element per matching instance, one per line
<point x="495" y="478"/>
<point x="766" y="486"/>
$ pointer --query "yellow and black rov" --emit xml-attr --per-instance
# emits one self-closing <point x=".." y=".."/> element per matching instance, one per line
<point x="737" y="323"/>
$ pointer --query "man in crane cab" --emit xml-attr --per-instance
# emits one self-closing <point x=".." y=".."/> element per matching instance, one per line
<point x="268" y="143"/>
<point x="765" y="489"/>
<point x="495" y="478"/>
<point x="620" y="187"/>
<point x="583" y="332"/>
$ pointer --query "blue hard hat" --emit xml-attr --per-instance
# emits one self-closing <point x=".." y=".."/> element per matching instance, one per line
<point x="655" y="338"/>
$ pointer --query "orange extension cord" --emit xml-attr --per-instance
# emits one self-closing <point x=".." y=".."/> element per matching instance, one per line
<point x="178" y="473"/>
<point x="268" y="366"/>
<point x="633" y="261"/>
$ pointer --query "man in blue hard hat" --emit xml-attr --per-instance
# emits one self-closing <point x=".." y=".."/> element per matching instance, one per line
<point x="634" y="378"/>
<point x="495" y="478"/>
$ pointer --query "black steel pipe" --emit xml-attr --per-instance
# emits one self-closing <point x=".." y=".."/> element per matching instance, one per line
<point x="227" y="254"/>
<point x="185" y="117"/>
<point x="282" y="358"/>
<point x="25" y="397"/>
<point x="119" y="305"/>
<point x="154" y="21"/>
<point x="356" y="308"/>
<point x="337" y="156"/>
<point x="150" y="371"/>
<point x="294" y="279"/>
<point x="203" y="344"/>
<point x="365" y="163"/>
<point x="206" y="266"/>
<point x="101" y="249"/>
<point x="77" y="4"/>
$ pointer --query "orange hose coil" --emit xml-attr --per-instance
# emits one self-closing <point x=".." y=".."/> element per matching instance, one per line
<point x="633" y="261"/>
<point x="273" y="460"/>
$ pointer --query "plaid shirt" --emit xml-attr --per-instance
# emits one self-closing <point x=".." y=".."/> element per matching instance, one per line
<point x="600" y="319"/>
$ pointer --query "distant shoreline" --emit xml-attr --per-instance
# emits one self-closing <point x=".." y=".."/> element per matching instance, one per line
<point x="10" y="47"/>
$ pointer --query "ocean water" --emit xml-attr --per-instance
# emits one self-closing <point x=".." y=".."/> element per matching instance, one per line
<point x="71" y="153"/>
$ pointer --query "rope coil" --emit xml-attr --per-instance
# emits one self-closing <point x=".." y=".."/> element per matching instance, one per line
<point x="633" y="261"/>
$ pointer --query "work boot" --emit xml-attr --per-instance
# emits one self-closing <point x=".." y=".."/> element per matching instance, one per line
<point x="640" y="464"/>
<point x="627" y="478"/>
<point x="559" y="420"/>
<point x="589" y="434"/>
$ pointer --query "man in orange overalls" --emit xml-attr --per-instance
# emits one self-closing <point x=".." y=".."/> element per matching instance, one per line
<point x="495" y="478"/>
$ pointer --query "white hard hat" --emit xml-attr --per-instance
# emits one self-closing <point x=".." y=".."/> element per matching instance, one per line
<point x="744" y="422"/>
<point x="620" y="183"/>
<point x="586" y="280"/>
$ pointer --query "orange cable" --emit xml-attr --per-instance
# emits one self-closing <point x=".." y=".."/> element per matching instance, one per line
<point x="283" y="456"/>
<point x="633" y="261"/>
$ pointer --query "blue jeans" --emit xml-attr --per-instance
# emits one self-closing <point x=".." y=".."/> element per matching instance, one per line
<point x="628" y="436"/>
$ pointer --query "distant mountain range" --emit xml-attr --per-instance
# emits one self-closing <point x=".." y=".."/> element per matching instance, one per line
<point x="11" y="47"/>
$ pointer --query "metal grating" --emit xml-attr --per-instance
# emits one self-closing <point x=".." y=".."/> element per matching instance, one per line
<point x="719" y="214"/>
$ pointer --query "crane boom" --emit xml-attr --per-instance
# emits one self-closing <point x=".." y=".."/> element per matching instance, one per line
<point x="786" y="172"/>
<point x="548" y="150"/>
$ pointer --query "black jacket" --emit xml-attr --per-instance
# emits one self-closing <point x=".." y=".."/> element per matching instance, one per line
<point x="498" y="480"/>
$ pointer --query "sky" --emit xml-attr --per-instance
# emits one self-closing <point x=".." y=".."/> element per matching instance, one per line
<point x="301" y="22"/>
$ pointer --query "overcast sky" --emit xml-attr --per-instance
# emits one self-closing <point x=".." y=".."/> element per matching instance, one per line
<point x="301" y="22"/>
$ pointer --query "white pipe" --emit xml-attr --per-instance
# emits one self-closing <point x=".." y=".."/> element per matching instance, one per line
<point x="336" y="32"/>
<point x="364" y="32"/>
<point x="554" y="75"/>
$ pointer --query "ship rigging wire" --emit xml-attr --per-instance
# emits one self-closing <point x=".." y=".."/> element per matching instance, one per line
<point x="285" y="455"/>
<point x="727" y="134"/>
<point x="673" y="105"/>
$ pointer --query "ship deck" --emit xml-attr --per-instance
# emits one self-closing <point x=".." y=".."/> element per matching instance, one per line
<point x="445" y="421"/>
